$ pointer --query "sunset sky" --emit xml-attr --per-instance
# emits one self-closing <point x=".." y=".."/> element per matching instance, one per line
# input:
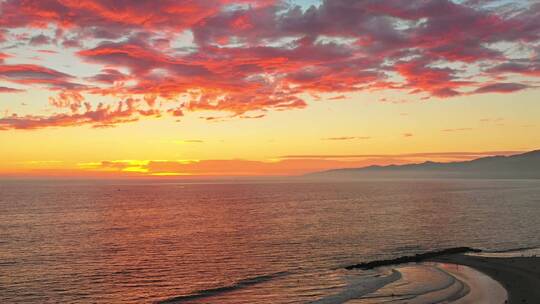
<point x="241" y="87"/>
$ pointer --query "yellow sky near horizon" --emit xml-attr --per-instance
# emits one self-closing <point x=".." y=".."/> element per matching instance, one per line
<point x="226" y="88"/>
<point x="359" y="124"/>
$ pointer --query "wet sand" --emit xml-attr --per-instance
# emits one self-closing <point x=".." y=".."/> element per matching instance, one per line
<point x="435" y="282"/>
<point x="519" y="275"/>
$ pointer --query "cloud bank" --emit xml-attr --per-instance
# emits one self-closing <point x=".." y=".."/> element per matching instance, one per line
<point x="245" y="58"/>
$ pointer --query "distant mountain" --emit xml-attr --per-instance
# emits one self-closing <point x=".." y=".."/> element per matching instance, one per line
<point x="524" y="166"/>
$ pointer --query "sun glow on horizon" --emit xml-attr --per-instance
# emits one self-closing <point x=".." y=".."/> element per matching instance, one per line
<point x="234" y="88"/>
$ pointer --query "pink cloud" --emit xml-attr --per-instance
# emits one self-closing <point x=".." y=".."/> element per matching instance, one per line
<point x="30" y="73"/>
<point x="3" y="56"/>
<point x="249" y="57"/>
<point x="108" y="76"/>
<point x="67" y="99"/>
<point x="39" y="40"/>
<point x="106" y="18"/>
<point x="502" y="88"/>
<point x="98" y="117"/>
<point x="9" y="90"/>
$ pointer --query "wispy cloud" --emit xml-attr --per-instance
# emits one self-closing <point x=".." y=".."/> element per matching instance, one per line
<point x="457" y="129"/>
<point x="340" y="138"/>
<point x="9" y="90"/>
<point x="502" y="88"/>
<point x="339" y="97"/>
<point x="496" y="119"/>
<point x="457" y="154"/>
<point x="188" y="141"/>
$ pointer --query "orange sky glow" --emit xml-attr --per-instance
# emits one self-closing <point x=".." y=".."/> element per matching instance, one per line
<point x="210" y="88"/>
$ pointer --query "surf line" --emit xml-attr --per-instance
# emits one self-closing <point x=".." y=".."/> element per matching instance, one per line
<point x="223" y="289"/>
<point x="413" y="258"/>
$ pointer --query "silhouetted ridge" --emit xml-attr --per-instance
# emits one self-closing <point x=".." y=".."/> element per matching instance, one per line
<point x="525" y="165"/>
<point x="412" y="259"/>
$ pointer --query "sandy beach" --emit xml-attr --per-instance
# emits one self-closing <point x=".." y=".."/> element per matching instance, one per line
<point x="519" y="275"/>
<point x="460" y="275"/>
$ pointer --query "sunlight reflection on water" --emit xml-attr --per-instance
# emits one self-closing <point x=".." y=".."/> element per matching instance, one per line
<point x="126" y="242"/>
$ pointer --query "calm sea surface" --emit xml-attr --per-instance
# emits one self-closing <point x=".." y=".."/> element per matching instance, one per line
<point x="142" y="242"/>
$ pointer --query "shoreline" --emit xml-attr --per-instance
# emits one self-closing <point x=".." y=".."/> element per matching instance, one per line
<point x="417" y="258"/>
<point x="520" y="276"/>
<point x="517" y="270"/>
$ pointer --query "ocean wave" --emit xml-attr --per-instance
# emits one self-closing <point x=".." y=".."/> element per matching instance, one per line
<point x="223" y="289"/>
<point x="8" y="263"/>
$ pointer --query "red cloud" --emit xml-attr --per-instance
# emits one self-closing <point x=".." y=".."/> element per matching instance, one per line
<point x="99" y="117"/>
<point x="9" y="90"/>
<point x="137" y="57"/>
<point x="3" y="56"/>
<point x="501" y="88"/>
<point x="39" y="40"/>
<point x="107" y="18"/>
<point x="420" y="77"/>
<point x="68" y="99"/>
<point x="339" y="97"/>
<point x="30" y="73"/>
<point x="108" y="76"/>
<point x="529" y="67"/>
<point x="263" y="55"/>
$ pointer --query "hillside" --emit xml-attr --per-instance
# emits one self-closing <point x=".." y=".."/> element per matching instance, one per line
<point x="526" y="165"/>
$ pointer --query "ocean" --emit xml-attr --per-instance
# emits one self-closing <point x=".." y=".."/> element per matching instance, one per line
<point x="242" y="242"/>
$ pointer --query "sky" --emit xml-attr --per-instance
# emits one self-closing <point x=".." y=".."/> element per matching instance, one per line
<point x="186" y="88"/>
